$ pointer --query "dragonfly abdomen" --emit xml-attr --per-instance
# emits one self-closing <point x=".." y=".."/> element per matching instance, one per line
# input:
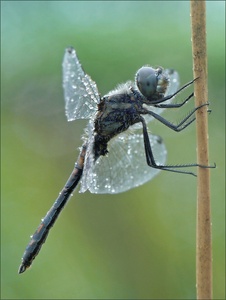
<point x="41" y="233"/>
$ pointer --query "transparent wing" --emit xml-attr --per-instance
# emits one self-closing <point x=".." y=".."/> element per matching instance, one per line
<point x="124" y="167"/>
<point x="87" y="174"/>
<point x="80" y="91"/>
<point x="172" y="88"/>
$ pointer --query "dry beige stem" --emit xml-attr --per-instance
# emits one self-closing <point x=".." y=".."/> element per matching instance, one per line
<point x="203" y="235"/>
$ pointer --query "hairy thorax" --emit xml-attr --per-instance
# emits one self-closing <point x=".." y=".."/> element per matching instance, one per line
<point x="115" y="114"/>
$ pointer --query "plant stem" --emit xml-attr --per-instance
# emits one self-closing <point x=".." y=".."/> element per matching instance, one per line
<point x="203" y="227"/>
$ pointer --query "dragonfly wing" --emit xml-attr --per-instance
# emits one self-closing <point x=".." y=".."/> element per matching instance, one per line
<point x="125" y="166"/>
<point x="173" y="83"/>
<point x="173" y="86"/>
<point x="87" y="174"/>
<point x="80" y="91"/>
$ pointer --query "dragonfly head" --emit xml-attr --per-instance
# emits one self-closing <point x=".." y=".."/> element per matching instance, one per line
<point x="152" y="83"/>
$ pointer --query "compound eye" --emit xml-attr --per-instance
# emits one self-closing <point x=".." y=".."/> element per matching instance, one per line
<point x="146" y="80"/>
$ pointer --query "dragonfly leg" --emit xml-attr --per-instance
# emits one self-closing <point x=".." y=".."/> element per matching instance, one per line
<point x="172" y="168"/>
<point x="175" y="105"/>
<point x="181" y="125"/>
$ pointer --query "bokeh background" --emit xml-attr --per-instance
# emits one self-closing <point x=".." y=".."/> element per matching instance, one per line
<point x="135" y="245"/>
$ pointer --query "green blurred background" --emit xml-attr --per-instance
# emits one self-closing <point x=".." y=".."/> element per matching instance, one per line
<point x="135" y="245"/>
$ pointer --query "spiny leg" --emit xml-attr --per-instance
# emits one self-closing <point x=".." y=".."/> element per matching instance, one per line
<point x="174" y="105"/>
<point x="172" y="168"/>
<point x="177" y="127"/>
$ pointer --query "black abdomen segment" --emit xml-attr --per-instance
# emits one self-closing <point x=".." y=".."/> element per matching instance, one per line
<point x="40" y="235"/>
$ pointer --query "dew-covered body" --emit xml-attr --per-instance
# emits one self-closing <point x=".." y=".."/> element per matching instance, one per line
<point x="116" y="113"/>
<point x="117" y="153"/>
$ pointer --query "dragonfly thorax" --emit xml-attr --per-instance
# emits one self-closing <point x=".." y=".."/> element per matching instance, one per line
<point x="116" y="113"/>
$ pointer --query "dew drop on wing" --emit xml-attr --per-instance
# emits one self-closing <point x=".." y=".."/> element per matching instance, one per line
<point x="132" y="160"/>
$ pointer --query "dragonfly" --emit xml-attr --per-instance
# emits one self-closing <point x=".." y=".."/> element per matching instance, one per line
<point x="118" y="152"/>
